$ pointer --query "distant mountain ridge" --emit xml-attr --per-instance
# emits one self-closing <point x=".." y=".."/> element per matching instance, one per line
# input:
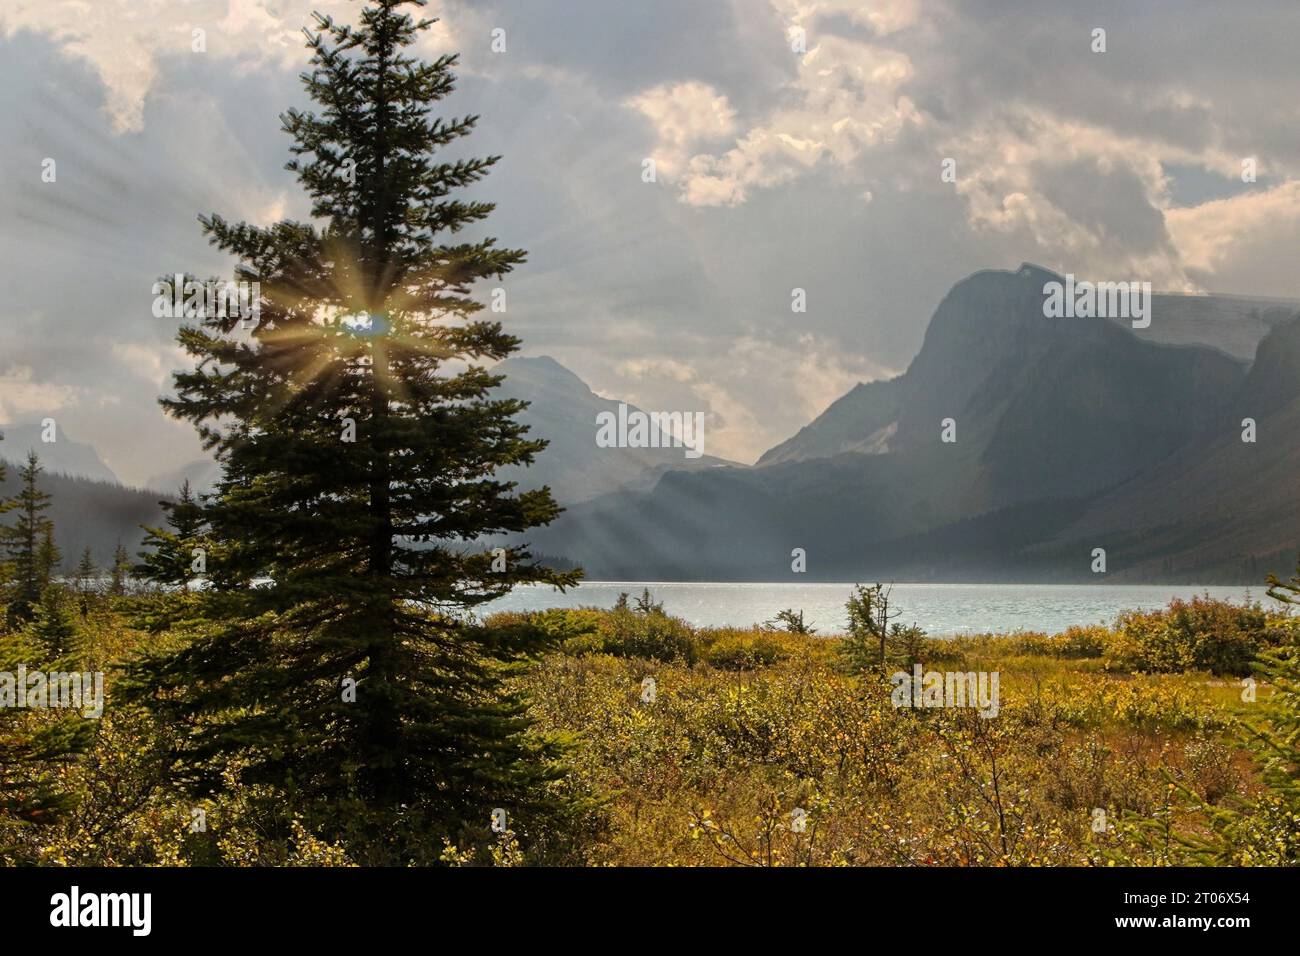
<point x="562" y="410"/>
<point x="61" y="455"/>
<point x="1232" y="324"/>
<point x="1060" y="426"/>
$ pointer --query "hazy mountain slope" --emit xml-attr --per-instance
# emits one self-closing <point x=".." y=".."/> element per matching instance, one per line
<point x="860" y="421"/>
<point x="857" y="421"/>
<point x="563" y="411"/>
<point x="1054" y="408"/>
<point x="1215" y="506"/>
<point x="60" y="455"/>
<point x="1007" y="375"/>
<point x="1083" y="416"/>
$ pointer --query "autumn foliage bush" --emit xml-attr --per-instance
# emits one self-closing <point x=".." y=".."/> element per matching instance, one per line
<point x="1202" y="634"/>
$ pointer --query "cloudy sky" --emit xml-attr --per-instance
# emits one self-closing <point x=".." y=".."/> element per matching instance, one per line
<point x="797" y="144"/>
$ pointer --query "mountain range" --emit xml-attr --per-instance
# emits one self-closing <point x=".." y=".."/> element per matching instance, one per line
<point x="562" y="409"/>
<point x="1011" y="449"/>
<point x="1068" y="435"/>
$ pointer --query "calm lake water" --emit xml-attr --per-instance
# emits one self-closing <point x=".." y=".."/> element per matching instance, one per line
<point x="941" y="609"/>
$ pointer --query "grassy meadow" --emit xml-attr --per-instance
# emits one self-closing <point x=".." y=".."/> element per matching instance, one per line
<point x="763" y="747"/>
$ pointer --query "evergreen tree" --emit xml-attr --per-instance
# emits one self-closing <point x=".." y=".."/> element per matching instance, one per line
<point x="48" y="558"/>
<point x="791" y="621"/>
<point x="361" y="440"/>
<point x="84" y="579"/>
<point x="23" y="544"/>
<point x="32" y="747"/>
<point x="86" y="571"/>
<point x="867" y="643"/>
<point x="169" y="557"/>
<point x="121" y="571"/>
<point x="52" y="627"/>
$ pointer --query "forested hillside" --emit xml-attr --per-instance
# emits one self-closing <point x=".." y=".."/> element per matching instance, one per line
<point x="93" y="514"/>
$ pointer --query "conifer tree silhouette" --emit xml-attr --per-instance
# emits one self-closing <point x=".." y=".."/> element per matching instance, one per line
<point x="360" y="440"/>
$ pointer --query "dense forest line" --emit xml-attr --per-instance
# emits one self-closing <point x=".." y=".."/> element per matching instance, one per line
<point x="97" y="515"/>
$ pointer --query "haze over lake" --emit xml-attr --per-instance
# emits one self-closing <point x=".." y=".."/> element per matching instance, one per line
<point x="941" y="609"/>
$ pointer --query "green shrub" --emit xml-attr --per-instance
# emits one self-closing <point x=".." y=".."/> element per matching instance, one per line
<point x="653" y="635"/>
<point x="576" y="630"/>
<point x="1200" y="634"/>
<point x="734" y="650"/>
<point x="790" y="621"/>
<point x="1034" y="643"/>
<point x="1082" y="642"/>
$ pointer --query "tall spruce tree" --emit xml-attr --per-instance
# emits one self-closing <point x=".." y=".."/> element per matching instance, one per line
<point x="24" y="544"/>
<point x="169" y="557"/>
<point x="361" y="440"/>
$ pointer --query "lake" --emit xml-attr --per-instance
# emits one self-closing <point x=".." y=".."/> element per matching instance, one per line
<point x="940" y="609"/>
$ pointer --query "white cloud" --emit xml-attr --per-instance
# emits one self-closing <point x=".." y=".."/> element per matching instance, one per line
<point x="683" y="115"/>
<point x="153" y="363"/>
<point x="1246" y="242"/>
<point x="125" y="41"/>
<point x="881" y="16"/>
<point x="755" y="394"/>
<point x="844" y="101"/>
<point x="21" y="396"/>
